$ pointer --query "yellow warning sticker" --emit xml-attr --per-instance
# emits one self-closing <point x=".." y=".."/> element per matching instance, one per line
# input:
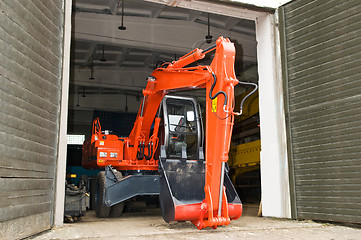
<point x="214" y="105"/>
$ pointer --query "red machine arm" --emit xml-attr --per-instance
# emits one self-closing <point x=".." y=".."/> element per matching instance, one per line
<point x="219" y="80"/>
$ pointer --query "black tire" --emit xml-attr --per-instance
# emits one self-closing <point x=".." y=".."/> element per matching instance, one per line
<point x="117" y="210"/>
<point x="92" y="190"/>
<point x="101" y="210"/>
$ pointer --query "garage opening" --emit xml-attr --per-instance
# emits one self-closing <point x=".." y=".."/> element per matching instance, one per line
<point x="115" y="46"/>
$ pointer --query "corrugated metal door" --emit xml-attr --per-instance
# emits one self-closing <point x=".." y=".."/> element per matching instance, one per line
<point x="322" y="56"/>
<point x="30" y="85"/>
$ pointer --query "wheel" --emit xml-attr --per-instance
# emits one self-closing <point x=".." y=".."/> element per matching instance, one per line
<point x="117" y="210"/>
<point x="101" y="210"/>
<point x="92" y="190"/>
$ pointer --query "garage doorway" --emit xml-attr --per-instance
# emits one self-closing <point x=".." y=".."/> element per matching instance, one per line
<point x="109" y="65"/>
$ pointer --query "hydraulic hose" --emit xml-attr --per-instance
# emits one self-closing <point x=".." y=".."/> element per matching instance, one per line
<point x="249" y="94"/>
<point x="220" y="92"/>
<point x="140" y="153"/>
<point x="150" y="152"/>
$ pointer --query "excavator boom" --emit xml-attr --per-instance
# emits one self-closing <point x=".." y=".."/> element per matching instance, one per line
<point x="219" y="80"/>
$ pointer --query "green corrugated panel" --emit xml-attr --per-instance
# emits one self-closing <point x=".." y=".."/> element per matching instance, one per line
<point x="30" y="75"/>
<point x="322" y="56"/>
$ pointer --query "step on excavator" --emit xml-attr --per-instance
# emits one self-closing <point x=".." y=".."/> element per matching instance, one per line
<point x="167" y="152"/>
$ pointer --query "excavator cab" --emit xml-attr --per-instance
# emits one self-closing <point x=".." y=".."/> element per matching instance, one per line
<point x="182" y="165"/>
<point x="182" y="125"/>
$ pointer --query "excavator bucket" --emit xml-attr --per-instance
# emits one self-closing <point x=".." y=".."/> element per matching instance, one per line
<point x="182" y="192"/>
<point x="181" y="185"/>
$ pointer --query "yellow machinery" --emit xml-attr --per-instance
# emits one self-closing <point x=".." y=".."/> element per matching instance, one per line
<point x="244" y="156"/>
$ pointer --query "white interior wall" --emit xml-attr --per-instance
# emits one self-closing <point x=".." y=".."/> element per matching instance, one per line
<point x="59" y="190"/>
<point x="274" y="165"/>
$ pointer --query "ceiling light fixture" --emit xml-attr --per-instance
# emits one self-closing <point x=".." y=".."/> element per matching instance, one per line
<point x="209" y="36"/>
<point x="122" y="27"/>
<point x="103" y="58"/>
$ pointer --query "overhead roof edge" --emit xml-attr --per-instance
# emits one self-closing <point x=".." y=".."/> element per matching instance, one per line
<point x="243" y="4"/>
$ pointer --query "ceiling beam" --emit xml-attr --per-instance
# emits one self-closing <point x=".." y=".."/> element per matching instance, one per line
<point x="216" y="8"/>
<point x="231" y="23"/>
<point x="121" y="57"/>
<point x="119" y="87"/>
<point x="114" y="6"/>
<point x="155" y="13"/>
<point x="193" y="16"/>
<point x="150" y="60"/>
<point x="89" y="55"/>
<point x="244" y="30"/>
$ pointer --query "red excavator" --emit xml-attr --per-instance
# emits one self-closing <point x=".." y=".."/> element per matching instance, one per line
<point x="167" y="152"/>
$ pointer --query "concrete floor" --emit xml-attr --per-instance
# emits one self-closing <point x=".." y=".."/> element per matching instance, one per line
<point x="142" y="223"/>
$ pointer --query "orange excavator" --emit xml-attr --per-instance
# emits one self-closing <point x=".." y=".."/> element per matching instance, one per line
<point x="167" y="153"/>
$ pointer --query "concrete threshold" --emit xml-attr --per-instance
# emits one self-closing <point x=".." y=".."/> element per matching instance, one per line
<point x="142" y="223"/>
